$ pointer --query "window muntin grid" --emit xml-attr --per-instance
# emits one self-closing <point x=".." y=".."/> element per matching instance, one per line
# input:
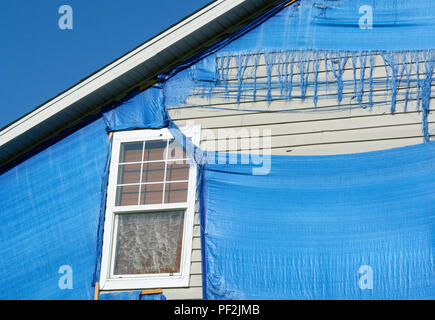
<point x="152" y="172"/>
<point x="173" y="271"/>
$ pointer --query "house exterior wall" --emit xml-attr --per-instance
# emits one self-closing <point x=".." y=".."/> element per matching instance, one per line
<point x="351" y="128"/>
<point x="295" y="127"/>
<point x="304" y="131"/>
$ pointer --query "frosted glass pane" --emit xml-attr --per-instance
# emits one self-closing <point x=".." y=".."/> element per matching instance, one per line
<point x="149" y="243"/>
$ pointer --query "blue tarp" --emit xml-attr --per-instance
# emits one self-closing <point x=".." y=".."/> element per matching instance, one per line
<point x="304" y="50"/>
<point x="322" y="218"/>
<point x="130" y="295"/>
<point x="357" y="226"/>
<point x="142" y="110"/>
<point x="52" y="207"/>
<point x="388" y="25"/>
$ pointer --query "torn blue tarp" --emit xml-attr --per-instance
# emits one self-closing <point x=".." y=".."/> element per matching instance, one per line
<point x="201" y="77"/>
<point x="346" y="25"/>
<point x="357" y="226"/>
<point x="331" y="25"/>
<point x="310" y="214"/>
<point x="303" y="50"/>
<point x="407" y="77"/>
<point x="140" y="110"/>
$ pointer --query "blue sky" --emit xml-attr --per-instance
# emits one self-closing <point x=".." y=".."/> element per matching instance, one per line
<point x="39" y="60"/>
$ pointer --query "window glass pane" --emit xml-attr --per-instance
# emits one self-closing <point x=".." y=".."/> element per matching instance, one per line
<point x="151" y="193"/>
<point x="155" y="150"/>
<point x="129" y="173"/>
<point x="177" y="170"/>
<point x="149" y="243"/>
<point x="131" y="152"/>
<point x="176" y="192"/>
<point x="153" y="172"/>
<point x="150" y="173"/>
<point x="127" y="195"/>
<point x="175" y="150"/>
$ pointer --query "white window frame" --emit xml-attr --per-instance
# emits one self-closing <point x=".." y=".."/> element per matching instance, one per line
<point x="108" y="281"/>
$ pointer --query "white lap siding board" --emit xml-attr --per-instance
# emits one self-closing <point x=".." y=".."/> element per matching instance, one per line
<point x="306" y="132"/>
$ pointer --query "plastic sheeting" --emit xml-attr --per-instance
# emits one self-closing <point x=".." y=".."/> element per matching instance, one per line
<point x="130" y="295"/>
<point x="346" y="25"/>
<point x="52" y="207"/>
<point x="306" y="48"/>
<point x="331" y="25"/>
<point x="358" y="226"/>
<point x="53" y="202"/>
<point x="308" y="74"/>
<point x="142" y="110"/>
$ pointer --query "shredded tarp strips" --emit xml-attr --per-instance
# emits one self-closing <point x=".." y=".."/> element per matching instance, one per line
<point x="306" y="48"/>
<point x="289" y="74"/>
<point x="294" y="74"/>
<point x="144" y="110"/>
<point x="130" y="295"/>
<point x="321" y="227"/>
<point x="50" y="207"/>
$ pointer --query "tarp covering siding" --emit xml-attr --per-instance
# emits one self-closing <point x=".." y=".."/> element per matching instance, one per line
<point x="358" y="226"/>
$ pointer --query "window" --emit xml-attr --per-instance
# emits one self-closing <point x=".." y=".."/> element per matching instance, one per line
<point x="148" y="225"/>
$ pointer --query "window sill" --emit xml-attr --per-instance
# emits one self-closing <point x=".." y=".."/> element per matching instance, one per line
<point x="145" y="283"/>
